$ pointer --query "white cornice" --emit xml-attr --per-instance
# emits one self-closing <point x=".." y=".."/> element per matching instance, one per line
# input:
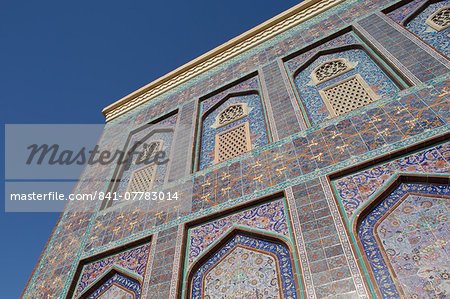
<point x="284" y="21"/>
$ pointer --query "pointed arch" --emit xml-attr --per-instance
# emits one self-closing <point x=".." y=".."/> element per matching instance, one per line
<point x="409" y="196"/>
<point x="115" y="276"/>
<point x="240" y="239"/>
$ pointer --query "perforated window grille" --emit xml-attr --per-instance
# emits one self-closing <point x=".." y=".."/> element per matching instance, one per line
<point x="230" y="114"/>
<point x="232" y="143"/>
<point x="142" y="179"/>
<point x="347" y="95"/>
<point x="149" y="150"/>
<point x="331" y="69"/>
<point x="440" y="20"/>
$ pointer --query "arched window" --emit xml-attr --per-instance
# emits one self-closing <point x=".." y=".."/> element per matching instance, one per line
<point x="143" y="178"/>
<point x="440" y="20"/>
<point x="232" y="123"/>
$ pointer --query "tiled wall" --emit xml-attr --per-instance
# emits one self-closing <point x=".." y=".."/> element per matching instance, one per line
<point x="301" y="146"/>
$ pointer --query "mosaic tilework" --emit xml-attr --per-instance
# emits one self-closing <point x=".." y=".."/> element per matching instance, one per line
<point x="325" y="257"/>
<point x="357" y="189"/>
<point x="243" y="272"/>
<point x="267" y="217"/>
<point x="141" y="137"/>
<point x="53" y="273"/>
<point x="181" y="151"/>
<point x="117" y="287"/>
<point x="134" y="260"/>
<point x="436" y="39"/>
<point x="401" y="13"/>
<point x="159" y="286"/>
<point x="412" y="240"/>
<point x="293" y="39"/>
<point x="369" y="71"/>
<point x="407" y="49"/>
<point x="281" y="102"/>
<point x="245" y="281"/>
<point x="256" y="119"/>
<point x="380" y="126"/>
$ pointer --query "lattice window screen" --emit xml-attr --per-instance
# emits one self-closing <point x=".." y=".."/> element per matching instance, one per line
<point x="331" y="69"/>
<point x="232" y="143"/>
<point x="347" y="95"/>
<point x="142" y="179"/>
<point x="150" y="149"/>
<point x="440" y="20"/>
<point x="231" y="114"/>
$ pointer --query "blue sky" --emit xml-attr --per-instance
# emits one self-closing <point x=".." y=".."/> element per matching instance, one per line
<point x="63" y="62"/>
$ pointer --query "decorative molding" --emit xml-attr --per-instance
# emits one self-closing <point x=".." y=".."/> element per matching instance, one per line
<point x="284" y="21"/>
<point x="352" y="261"/>
<point x="148" y="270"/>
<point x="176" y="262"/>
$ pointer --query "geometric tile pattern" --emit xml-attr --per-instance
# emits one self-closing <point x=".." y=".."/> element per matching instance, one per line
<point x="232" y="143"/>
<point x="395" y="120"/>
<point x="406" y="239"/>
<point x="347" y="95"/>
<point x="267" y="256"/>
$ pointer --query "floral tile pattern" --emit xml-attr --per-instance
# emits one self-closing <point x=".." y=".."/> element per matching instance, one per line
<point x="243" y="273"/>
<point x="265" y="257"/>
<point x="357" y="189"/>
<point x="396" y="121"/>
<point x="118" y="287"/>
<point x="412" y="240"/>
<point x="269" y="217"/>
<point x="134" y="260"/>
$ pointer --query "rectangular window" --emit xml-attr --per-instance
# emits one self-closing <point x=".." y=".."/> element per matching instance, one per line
<point x="232" y="143"/>
<point x="347" y="95"/>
